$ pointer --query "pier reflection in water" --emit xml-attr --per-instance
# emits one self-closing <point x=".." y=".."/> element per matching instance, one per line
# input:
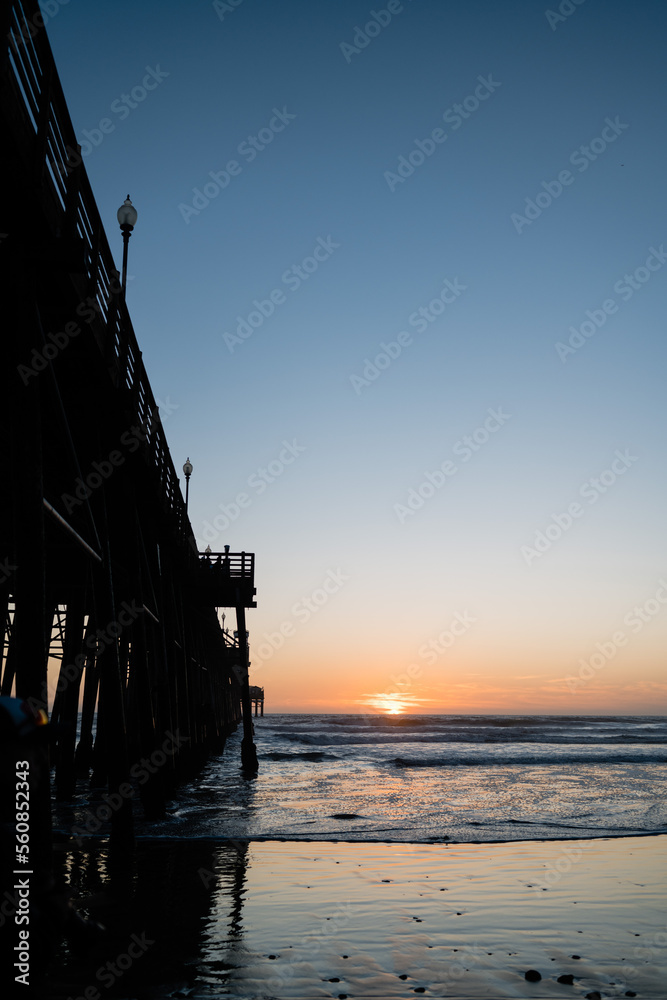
<point x="173" y="918"/>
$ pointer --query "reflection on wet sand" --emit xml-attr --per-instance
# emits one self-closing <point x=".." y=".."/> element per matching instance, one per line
<point x="172" y="912"/>
<point x="203" y="919"/>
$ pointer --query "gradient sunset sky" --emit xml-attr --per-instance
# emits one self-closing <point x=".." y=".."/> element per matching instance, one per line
<point x="398" y="277"/>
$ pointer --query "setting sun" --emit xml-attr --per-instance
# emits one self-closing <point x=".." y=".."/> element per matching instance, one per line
<point x="393" y="703"/>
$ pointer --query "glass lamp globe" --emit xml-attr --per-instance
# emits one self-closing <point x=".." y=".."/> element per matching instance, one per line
<point x="127" y="214"/>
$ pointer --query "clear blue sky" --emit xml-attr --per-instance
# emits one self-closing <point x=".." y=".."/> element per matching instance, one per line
<point x="537" y="95"/>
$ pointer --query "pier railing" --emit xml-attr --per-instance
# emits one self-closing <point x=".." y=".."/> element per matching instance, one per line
<point x="226" y="579"/>
<point x="233" y="565"/>
<point x="79" y="244"/>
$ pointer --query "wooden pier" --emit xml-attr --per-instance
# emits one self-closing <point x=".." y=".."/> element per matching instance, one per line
<point x="257" y="699"/>
<point x="98" y="561"/>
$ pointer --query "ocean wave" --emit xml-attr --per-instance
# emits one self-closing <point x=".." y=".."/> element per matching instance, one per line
<point x="507" y="736"/>
<point x="369" y="730"/>
<point x="315" y="756"/>
<point x="536" y="760"/>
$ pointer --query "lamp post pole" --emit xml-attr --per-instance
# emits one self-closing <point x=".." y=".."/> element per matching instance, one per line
<point x="187" y="472"/>
<point x="127" y="217"/>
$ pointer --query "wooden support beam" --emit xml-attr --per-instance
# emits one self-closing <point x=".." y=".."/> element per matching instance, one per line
<point x="111" y="712"/>
<point x="248" y="748"/>
<point x="84" y="751"/>
<point x="10" y="658"/>
<point x="62" y="523"/>
<point x="70" y="683"/>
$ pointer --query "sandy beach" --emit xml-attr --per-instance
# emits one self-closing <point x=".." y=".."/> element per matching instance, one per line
<point x="320" y="919"/>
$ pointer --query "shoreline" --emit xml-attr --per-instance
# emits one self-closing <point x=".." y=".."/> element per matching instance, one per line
<point x="61" y="839"/>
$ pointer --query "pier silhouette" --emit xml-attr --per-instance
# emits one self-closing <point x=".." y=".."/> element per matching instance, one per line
<point x="99" y="566"/>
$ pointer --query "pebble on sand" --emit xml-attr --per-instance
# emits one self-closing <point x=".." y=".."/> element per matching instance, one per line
<point x="533" y="976"/>
<point x="566" y="979"/>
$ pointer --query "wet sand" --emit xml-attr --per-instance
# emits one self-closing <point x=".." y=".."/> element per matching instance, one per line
<point x="284" y="919"/>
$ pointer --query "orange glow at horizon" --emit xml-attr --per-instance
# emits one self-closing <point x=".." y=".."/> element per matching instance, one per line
<point x="394" y="703"/>
<point x="489" y="671"/>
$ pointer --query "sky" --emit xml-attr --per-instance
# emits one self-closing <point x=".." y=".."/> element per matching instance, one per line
<point x="398" y="277"/>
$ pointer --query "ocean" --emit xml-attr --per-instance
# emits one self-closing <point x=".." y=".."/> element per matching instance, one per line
<point x="360" y="862"/>
<point x="429" y="779"/>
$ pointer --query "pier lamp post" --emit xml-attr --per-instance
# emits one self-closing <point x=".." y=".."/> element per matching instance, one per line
<point x="127" y="217"/>
<point x="187" y="472"/>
